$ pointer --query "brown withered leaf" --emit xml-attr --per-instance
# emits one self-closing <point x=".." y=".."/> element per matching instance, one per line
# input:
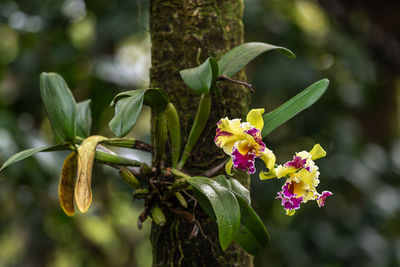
<point x="83" y="189"/>
<point x="67" y="184"/>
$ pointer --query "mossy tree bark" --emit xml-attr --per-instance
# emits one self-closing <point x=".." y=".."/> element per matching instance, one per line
<point x="183" y="34"/>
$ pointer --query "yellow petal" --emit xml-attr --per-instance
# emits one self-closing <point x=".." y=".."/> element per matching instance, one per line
<point x="267" y="175"/>
<point x="317" y="152"/>
<point x="67" y="184"/>
<point x="228" y="167"/>
<point x="255" y="118"/>
<point x="269" y="159"/>
<point x="283" y="171"/>
<point x="236" y="133"/>
<point x="83" y="189"/>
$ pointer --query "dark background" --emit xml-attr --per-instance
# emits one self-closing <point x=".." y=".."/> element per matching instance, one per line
<point x="102" y="47"/>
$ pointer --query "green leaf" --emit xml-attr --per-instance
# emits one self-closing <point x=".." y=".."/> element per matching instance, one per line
<point x="83" y="118"/>
<point x="127" y="111"/>
<point x="60" y="106"/>
<point x="295" y="105"/>
<point x="235" y="59"/>
<point x="156" y="98"/>
<point x="225" y="207"/>
<point x="235" y="186"/>
<point x="30" y="152"/>
<point x="202" y="78"/>
<point x="253" y="235"/>
<point x="128" y="106"/>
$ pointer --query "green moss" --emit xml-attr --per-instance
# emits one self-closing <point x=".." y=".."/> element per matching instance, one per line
<point x="184" y="33"/>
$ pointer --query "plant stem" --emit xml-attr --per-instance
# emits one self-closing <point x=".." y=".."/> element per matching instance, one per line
<point x="224" y="77"/>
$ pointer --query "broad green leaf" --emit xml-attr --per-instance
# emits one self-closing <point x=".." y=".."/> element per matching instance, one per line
<point x="128" y="106"/>
<point x="83" y="118"/>
<point x="253" y="235"/>
<point x="235" y="186"/>
<point x="30" y="152"/>
<point x="156" y="98"/>
<point x="202" y="78"/>
<point x="235" y="59"/>
<point x="239" y="189"/>
<point x="127" y="111"/>
<point x="225" y="207"/>
<point x="83" y="187"/>
<point x="60" y="106"/>
<point x="67" y="184"/>
<point x="295" y="105"/>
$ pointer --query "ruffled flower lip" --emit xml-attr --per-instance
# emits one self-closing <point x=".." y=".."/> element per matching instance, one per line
<point x="290" y="201"/>
<point x="243" y="162"/>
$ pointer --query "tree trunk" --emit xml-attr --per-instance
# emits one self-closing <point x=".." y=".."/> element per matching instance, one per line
<point x="183" y="34"/>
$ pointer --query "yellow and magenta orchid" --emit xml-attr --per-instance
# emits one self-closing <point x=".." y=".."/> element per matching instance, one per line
<point x="302" y="179"/>
<point x="243" y="142"/>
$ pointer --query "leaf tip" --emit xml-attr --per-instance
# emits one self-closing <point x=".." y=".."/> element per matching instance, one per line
<point x="287" y="52"/>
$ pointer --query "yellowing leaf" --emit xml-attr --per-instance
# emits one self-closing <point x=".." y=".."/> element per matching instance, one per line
<point x="67" y="184"/>
<point x="83" y="189"/>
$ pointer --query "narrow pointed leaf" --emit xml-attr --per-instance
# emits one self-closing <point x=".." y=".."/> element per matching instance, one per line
<point x="60" y="106"/>
<point x="30" y="152"/>
<point x="225" y="207"/>
<point x="295" y="105"/>
<point x="202" y="78"/>
<point x="67" y="184"/>
<point x="203" y="112"/>
<point x="174" y="132"/>
<point x="127" y="111"/>
<point x="84" y="118"/>
<point x="83" y="188"/>
<point x="237" y="58"/>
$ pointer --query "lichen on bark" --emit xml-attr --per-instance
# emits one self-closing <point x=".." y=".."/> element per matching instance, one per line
<point x="184" y="33"/>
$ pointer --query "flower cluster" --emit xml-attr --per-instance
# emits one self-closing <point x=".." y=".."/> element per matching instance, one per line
<point x="243" y="142"/>
<point x="301" y="180"/>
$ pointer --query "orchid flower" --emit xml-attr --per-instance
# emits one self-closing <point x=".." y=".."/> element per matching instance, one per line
<point x="302" y="179"/>
<point x="243" y="142"/>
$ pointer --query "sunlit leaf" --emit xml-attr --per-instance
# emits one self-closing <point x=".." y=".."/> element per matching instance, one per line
<point x="237" y="58"/>
<point x="127" y="111"/>
<point x="225" y="207"/>
<point x="84" y="118"/>
<point x="295" y="105"/>
<point x="60" y="106"/>
<point x="30" y="152"/>
<point x="83" y="188"/>
<point x="128" y="106"/>
<point x="202" y="78"/>
<point x="67" y="184"/>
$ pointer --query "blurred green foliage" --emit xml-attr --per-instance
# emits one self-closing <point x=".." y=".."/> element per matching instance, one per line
<point x="102" y="47"/>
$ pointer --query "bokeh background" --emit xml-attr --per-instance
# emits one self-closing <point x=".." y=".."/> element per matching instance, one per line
<point x="102" y="47"/>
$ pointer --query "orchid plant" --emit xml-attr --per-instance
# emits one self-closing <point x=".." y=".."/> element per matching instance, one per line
<point x="166" y="188"/>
